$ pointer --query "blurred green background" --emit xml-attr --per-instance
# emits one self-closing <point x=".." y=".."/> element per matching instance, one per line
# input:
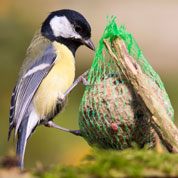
<point x="154" y="25"/>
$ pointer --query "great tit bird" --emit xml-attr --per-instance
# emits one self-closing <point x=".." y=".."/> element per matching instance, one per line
<point x="47" y="75"/>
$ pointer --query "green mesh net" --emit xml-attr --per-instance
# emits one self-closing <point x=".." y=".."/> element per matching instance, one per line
<point x="110" y="115"/>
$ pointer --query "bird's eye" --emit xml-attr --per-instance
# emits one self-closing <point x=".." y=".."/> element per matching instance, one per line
<point x="78" y="29"/>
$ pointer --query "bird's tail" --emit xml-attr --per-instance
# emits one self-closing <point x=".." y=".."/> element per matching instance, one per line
<point x="25" y="130"/>
<point x="21" y="142"/>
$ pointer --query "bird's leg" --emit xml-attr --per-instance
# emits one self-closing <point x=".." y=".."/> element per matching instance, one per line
<point x="82" y="79"/>
<point x="60" y="100"/>
<point x="53" y="125"/>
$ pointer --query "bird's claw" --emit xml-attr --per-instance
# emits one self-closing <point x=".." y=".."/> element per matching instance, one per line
<point x="61" y="99"/>
<point x="84" y="81"/>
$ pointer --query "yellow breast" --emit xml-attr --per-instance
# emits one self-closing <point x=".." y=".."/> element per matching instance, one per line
<point x="58" y="80"/>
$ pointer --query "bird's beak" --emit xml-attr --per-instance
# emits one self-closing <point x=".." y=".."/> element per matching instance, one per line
<point x="89" y="44"/>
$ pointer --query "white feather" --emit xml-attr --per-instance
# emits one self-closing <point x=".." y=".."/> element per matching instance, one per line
<point x="32" y="122"/>
<point x="62" y="27"/>
<point x="35" y="69"/>
<point x="12" y="107"/>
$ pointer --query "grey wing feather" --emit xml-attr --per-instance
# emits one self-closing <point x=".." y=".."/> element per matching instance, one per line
<point x="27" y="86"/>
<point x="12" y="106"/>
<point x="11" y="113"/>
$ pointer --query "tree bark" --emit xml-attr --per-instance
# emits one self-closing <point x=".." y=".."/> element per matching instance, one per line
<point x="160" y="120"/>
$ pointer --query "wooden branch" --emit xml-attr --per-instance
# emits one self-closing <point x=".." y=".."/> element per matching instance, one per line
<point x="160" y="120"/>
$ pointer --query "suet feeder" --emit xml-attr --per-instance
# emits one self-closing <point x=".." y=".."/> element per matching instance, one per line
<point x="111" y="114"/>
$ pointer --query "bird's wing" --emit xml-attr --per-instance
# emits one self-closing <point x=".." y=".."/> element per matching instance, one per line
<point x="27" y="85"/>
<point x="12" y="110"/>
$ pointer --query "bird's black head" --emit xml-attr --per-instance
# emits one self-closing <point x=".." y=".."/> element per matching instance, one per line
<point x="69" y="28"/>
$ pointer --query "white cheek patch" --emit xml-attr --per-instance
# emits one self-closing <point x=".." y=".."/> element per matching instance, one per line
<point x="62" y="27"/>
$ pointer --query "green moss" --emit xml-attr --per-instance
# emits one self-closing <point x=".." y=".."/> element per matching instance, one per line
<point x="110" y="163"/>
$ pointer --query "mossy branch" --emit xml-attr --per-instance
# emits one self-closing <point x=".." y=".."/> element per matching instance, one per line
<point x="160" y="120"/>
